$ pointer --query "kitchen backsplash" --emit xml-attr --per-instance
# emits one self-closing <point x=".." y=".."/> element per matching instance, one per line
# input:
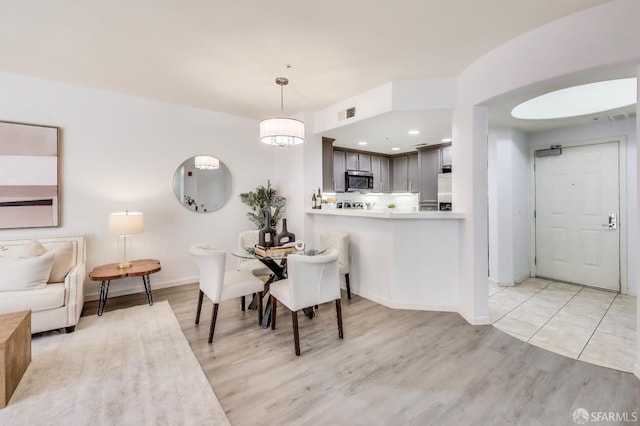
<point x="403" y="202"/>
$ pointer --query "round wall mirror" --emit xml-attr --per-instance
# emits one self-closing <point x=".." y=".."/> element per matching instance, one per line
<point x="202" y="184"/>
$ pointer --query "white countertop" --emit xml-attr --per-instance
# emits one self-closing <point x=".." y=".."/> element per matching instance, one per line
<point x="387" y="214"/>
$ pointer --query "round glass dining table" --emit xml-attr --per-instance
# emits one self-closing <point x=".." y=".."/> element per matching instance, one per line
<point x="277" y="264"/>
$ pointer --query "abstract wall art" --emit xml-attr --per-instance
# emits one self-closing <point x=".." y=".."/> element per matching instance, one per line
<point x="29" y="170"/>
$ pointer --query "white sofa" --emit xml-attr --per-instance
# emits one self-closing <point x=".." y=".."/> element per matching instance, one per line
<point x="53" y="305"/>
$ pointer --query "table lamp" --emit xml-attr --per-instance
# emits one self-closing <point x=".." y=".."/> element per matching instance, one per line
<point x="125" y="224"/>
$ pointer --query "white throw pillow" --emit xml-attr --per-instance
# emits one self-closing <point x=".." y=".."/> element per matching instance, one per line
<point x="25" y="274"/>
<point x="62" y="262"/>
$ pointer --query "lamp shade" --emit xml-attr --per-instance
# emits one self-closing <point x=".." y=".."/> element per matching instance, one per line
<point x="206" y="162"/>
<point x="126" y="223"/>
<point x="282" y="131"/>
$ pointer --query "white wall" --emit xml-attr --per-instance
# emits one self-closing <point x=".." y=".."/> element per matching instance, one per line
<point x="625" y="129"/>
<point x="509" y="217"/>
<point x="120" y="152"/>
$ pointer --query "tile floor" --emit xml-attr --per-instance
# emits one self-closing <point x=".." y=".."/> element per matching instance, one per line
<point x="579" y="322"/>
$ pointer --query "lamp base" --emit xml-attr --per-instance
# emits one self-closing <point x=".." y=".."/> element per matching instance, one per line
<point x="124" y="265"/>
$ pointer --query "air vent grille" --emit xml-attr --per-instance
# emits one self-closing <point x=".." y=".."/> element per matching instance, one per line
<point x="347" y="113"/>
<point x="622" y="116"/>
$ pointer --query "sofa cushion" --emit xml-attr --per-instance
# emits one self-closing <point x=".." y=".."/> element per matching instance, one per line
<point x="25" y="274"/>
<point x="49" y="297"/>
<point x="62" y="262"/>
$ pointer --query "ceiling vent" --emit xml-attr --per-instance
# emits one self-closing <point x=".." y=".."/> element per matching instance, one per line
<point x="347" y="113"/>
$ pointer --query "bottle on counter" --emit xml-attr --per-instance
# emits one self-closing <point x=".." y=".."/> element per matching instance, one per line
<point x="314" y="204"/>
<point x="319" y="199"/>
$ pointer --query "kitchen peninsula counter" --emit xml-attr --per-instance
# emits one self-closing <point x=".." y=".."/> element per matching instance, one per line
<point x="400" y="259"/>
<point x="388" y="214"/>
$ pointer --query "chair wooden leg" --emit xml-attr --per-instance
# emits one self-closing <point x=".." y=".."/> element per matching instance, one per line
<point x="274" y="303"/>
<point x="214" y="315"/>
<point x="339" y="313"/>
<point x="346" y="278"/>
<point x="296" y="336"/>
<point x="259" y="308"/>
<point x="200" y="296"/>
<point x="242" y="302"/>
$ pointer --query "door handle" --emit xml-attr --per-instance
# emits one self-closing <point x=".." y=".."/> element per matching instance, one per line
<point x="613" y="221"/>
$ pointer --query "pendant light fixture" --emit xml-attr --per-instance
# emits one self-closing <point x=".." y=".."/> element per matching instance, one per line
<point x="281" y="131"/>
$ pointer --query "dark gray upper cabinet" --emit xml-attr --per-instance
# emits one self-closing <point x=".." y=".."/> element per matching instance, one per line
<point x="406" y="173"/>
<point x="358" y="161"/>
<point x="339" y="167"/>
<point x="429" y="169"/>
<point x="381" y="175"/>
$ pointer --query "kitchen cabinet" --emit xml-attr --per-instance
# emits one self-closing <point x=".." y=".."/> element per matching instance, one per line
<point x="358" y="161"/>
<point x="339" y="167"/>
<point x="406" y="173"/>
<point x="429" y="169"/>
<point x="445" y="157"/>
<point x="381" y="175"/>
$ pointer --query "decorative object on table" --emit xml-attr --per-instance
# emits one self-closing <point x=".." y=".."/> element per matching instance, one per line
<point x="267" y="234"/>
<point x="261" y="200"/>
<point x="29" y="190"/>
<point x="124" y="224"/>
<point x="275" y="251"/>
<point x="299" y="245"/>
<point x="282" y="131"/>
<point x="202" y="184"/>
<point x="284" y="236"/>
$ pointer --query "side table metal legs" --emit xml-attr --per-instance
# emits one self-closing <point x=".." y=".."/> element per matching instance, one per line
<point x="147" y="288"/>
<point x="104" y="291"/>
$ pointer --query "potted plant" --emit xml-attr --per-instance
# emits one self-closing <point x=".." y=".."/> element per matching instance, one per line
<point x="260" y="200"/>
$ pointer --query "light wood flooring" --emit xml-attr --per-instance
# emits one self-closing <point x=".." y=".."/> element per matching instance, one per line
<point x="393" y="367"/>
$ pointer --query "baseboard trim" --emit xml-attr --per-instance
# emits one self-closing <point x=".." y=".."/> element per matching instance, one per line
<point x="115" y="292"/>
<point x="407" y="306"/>
<point x="476" y="320"/>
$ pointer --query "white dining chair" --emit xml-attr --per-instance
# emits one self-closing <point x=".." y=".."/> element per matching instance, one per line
<point x="339" y="240"/>
<point x="312" y="280"/>
<point x="220" y="285"/>
<point x="248" y="239"/>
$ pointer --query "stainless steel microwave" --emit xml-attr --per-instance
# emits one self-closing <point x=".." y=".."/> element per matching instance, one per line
<point x="358" y="181"/>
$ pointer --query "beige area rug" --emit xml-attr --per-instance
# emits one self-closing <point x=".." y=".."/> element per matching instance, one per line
<point x="128" y="367"/>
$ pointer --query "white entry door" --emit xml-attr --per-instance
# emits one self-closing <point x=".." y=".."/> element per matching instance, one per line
<point x="577" y="210"/>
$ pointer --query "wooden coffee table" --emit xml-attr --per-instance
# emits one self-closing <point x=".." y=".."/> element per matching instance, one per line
<point x="139" y="268"/>
<point x="15" y="351"/>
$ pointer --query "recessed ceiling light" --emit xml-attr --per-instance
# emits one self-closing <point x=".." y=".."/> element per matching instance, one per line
<point x="395" y="148"/>
<point x="579" y="100"/>
<point x="362" y="143"/>
<point x="414" y="132"/>
<point x="446" y="139"/>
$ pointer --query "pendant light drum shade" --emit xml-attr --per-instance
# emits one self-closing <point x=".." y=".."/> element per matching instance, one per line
<point x="205" y="162"/>
<point x="282" y="131"/>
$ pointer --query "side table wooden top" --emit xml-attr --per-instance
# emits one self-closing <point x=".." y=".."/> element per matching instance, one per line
<point x="137" y="268"/>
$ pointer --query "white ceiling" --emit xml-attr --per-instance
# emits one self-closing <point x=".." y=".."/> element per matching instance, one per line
<point x="224" y="56"/>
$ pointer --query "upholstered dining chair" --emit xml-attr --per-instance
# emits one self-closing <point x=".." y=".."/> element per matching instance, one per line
<point x="248" y="239"/>
<point x="312" y="280"/>
<point x="220" y="285"/>
<point x="339" y="240"/>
